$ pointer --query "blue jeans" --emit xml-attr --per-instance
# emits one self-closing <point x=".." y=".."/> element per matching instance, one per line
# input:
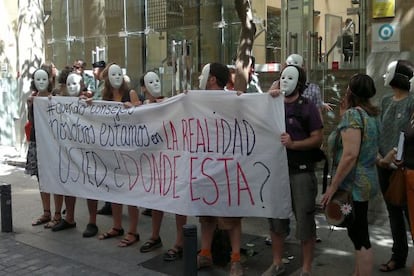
<point x="397" y="216"/>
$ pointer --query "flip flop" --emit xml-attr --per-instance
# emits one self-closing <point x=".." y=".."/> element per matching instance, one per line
<point x="125" y="242"/>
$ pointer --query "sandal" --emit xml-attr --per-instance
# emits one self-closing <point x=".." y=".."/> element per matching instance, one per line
<point x="391" y="265"/>
<point x="55" y="221"/>
<point x="111" y="234"/>
<point x="173" y="254"/>
<point x="42" y="219"/>
<point x="125" y="242"/>
<point x="151" y="245"/>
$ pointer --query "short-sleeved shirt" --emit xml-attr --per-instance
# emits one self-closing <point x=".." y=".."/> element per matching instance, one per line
<point x="313" y="93"/>
<point x="395" y="116"/>
<point x="301" y="118"/>
<point x="362" y="180"/>
<point x="300" y="129"/>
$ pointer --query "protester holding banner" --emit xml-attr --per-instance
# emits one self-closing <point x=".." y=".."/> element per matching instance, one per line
<point x="396" y="110"/>
<point x="151" y="86"/>
<point x="115" y="89"/>
<point x="41" y="86"/>
<point x="74" y="88"/>
<point x="303" y="133"/>
<point x="215" y="76"/>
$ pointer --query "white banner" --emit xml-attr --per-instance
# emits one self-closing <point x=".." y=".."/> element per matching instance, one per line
<point x="200" y="153"/>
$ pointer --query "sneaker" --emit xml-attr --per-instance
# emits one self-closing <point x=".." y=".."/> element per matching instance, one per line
<point x="204" y="261"/>
<point x="275" y="270"/>
<point x="236" y="269"/>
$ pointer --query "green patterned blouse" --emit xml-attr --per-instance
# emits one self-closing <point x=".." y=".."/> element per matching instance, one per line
<point x="363" y="178"/>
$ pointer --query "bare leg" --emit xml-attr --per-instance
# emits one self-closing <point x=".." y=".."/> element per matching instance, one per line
<point x="307" y="251"/>
<point x="180" y="221"/>
<point x="235" y="239"/>
<point x="117" y="215"/>
<point x="207" y="232"/>
<point x="133" y="213"/>
<point x="92" y="208"/>
<point x="45" y="197"/>
<point x="156" y="224"/>
<point x="364" y="261"/>
<point x="277" y="248"/>
<point x="70" y="209"/>
<point x="58" y="200"/>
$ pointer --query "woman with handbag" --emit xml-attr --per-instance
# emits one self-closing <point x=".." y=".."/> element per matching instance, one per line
<point x="396" y="109"/>
<point x="356" y="148"/>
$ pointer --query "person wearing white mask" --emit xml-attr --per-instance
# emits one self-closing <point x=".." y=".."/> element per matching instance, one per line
<point x="116" y="89"/>
<point x="74" y="84"/>
<point x="74" y="88"/>
<point x="396" y="109"/>
<point x="152" y="83"/>
<point x="41" y="87"/>
<point x="312" y="90"/>
<point x="151" y="86"/>
<point x="303" y="134"/>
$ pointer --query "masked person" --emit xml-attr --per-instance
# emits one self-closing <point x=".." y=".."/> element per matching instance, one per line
<point x="115" y="89"/>
<point x="396" y="110"/>
<point x="41" y="86"/>
<point x="303" y="133"/>
<point x="151" y="86"/>
<point x="74" y="88"/>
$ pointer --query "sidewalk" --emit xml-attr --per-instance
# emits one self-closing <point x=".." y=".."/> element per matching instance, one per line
<point x="32" y="250"/>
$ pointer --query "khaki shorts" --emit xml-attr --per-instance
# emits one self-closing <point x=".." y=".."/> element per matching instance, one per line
<point x="224" y="223"/>
<point x="304" y="188"/>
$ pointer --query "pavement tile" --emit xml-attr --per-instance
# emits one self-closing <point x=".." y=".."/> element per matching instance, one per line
<point x="37" y="251"/>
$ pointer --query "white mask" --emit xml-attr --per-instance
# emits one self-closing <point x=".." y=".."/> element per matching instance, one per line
<point x="152" y="83"/>
<point x="115" y="75"/>
<point x="203" y="78"/>
<point x="389" y="75"/>
<point x="295" y="59"/>
<point x="41" y="80"/>
<point x="289" y="80"/>
<point x="73" y="84"/>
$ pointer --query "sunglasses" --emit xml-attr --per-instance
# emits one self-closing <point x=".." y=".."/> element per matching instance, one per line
<point x="77" y="67"/>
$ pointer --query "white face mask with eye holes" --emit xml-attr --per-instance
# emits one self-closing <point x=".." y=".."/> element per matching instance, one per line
<point x="289" y="80"/>
<point x="73" y="84"/>
<point x="203" y="78"/>
<point x="41" y="80"/>
<point x="390" y="73"/>
<point x="152" y="84"/>
<point x="115" y="75"/>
